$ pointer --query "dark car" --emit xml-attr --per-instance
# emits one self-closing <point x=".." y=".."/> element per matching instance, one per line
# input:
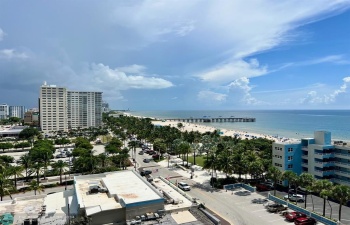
<point x="145" y="172"/>
<point x="260" y="200"/>
<point x="146" y="160"/>
<point x="263" y="187"/>
<point x="140" y="152"/>
<point x="305" y="221"/>
<point x="291" y="216"/>
<point x="156" y="156"/>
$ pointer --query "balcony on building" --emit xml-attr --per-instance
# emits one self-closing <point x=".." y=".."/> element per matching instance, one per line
<point x="325" y="162"/>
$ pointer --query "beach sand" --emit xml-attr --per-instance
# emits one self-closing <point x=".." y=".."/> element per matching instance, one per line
<point x="224" y="132"/>
<point x="205" y="128"/>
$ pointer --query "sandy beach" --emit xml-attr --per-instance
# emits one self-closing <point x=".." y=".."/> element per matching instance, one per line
<point x="205" y="128"/>
<point x="224" y="132"/>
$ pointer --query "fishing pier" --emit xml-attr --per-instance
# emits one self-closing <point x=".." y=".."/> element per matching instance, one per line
<point x="213" y="120"/>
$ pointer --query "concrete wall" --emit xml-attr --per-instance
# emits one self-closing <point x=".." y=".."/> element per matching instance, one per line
<point x="132" y="212"/>
<point x="109" y="216"/>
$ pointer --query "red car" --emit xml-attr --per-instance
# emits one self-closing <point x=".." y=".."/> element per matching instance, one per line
<point x="304" y="221"/>
<point x="291" y="216"/>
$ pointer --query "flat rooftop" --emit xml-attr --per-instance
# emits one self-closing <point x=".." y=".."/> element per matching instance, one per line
<point x="125" y="185"/>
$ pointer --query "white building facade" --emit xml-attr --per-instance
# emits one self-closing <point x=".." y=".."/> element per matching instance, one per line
<point x="17" y="111"/>
<point x="4" y="111"/>
<point x="53" y="108"/>
<point x="84" y="109"/>
<point x="318" y="156"/>
<point x="62" y="110"/>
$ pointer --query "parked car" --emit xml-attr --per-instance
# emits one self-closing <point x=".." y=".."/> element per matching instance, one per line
<point x="276" y="208"/>
<point x="140" y="152"/>
<point x="243" y="193"/>
<point x="184" y="186"/>
<point x="145" y="172"/>
<point x="260" y="200"/>
<point x="146" y="160"/>
<point x="263" y="187"/>
<point x="305" y="221"/>
<point x="294" y="197"/>
<point x="156" y="156"/>
<point x="291" y="216"/>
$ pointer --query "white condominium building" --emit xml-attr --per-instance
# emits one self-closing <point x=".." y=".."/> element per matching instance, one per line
<point x="17" y="111"/>
<point x="53" y="108"/>
<point x="4" y="111"/>
<point x="84" y="109"/>
<point x="62" y="110"/>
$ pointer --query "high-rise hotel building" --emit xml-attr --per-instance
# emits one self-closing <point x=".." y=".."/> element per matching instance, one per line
<point x="62" y="110"/>
<point x="53" y="108"/>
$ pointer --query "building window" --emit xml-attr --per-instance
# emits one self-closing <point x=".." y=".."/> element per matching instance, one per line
<point x="290" y="149"/>
<point x="290" y="166"/>
<point x="290" y="158"/>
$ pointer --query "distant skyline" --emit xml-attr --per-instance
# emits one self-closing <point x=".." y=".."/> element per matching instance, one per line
<point x="179" y="55"/>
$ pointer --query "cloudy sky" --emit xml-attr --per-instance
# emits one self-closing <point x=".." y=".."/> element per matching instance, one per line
<point x="179" y="54"/>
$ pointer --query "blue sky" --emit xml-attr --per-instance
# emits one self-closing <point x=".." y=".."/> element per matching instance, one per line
<point x="164" y="55"/>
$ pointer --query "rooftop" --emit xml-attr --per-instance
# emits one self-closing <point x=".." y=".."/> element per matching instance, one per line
<point x="124" y="188"/>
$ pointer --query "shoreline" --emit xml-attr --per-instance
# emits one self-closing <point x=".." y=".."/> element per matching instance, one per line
<point x="224" y="132"/>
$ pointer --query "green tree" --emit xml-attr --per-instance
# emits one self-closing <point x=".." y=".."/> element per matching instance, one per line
<point x="6" y="185"/>
<point x="81" y="142"/>
<point x="36" y="187"/>
<point x="16" y="172"/>
<point x="4" y="146"/>
<point x="60" y="167"/>
<point x="290" y="177"/>
<point x="342" y="194"/>
<point x="321" y="185"/>
<point x="29" y="133"/>
<point x="275" y="175"/>
<point x="307" y="181"/>
<point x="25" y="161"/>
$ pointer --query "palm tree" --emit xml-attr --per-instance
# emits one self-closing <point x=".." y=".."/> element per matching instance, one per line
<point x="6" y="185"/>
<point x="37" y="166"/>
<point x="60" y="167"/>
<point x="325" y="194"/>
<point x="36" y="187"/>
<point x="289" y="176"/>
<point x="307" y="181"/>
<point x="276" y="175"/>
<point x="342" y="194"/>
<point x="321" y="185"/>
<point x="25" y="161"/>
<point x="16" y="171"/>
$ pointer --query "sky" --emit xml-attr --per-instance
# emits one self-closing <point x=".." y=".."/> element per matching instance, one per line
<point x="179" y="54"/>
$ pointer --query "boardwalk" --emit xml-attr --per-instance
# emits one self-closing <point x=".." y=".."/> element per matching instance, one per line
<point x="213" y="120"/>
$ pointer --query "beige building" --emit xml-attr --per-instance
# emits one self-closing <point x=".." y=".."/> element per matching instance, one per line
<point x="53" y="108"/>
<point x="31" y="118"/>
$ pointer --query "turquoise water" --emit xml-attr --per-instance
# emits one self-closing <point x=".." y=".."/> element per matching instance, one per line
<point x="285" y="123"/>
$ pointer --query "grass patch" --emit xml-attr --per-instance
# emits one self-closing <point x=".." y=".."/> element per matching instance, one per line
<point x="199" y="160"/>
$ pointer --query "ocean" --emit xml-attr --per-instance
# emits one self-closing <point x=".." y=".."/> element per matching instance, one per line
<point x="283" y="123"/>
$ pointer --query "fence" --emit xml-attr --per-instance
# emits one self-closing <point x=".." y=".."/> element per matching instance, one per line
<point x="303" y="210"/>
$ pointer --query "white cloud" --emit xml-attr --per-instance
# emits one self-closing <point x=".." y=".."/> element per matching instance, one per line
<point x="233" y="71"/>
<point x="2" y="34"/>
<point x="240" y="91"/>
<point x="119" y="80"/>
<point x="133" y="69"/>
<point x="314" y="98"/>
<point x="12" y="54"/>
<point x="211" y="96"/>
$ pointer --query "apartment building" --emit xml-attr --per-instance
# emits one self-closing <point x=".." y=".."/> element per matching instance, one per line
<point x="31" y="117"/>
<point x="62" y="110"/>
<point x="53" y="108"/>
<point x="318" y="156"/>
<point x="4" y="111"/>
<point x="105" y="107"/>
<point x="84" y="109"/>
<point x="17" y="111"/>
